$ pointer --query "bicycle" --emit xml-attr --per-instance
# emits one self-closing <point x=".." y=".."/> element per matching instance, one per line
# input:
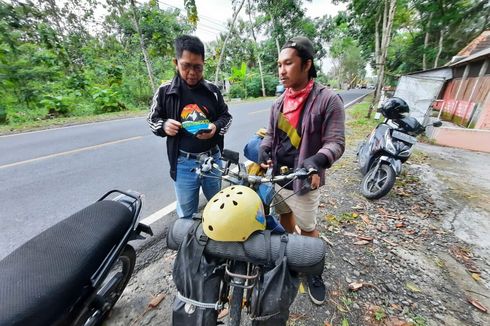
<point x="249" y="272"/>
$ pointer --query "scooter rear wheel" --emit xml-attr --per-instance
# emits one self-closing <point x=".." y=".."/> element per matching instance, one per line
<point x="377" y="184"/>
<point x="111" y="289"/>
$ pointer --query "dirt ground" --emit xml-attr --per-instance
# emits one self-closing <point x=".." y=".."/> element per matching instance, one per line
<point x="419" y="256"/>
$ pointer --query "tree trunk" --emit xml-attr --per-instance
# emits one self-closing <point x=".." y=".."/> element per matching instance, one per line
<point x="143" y="48"/>
<point x="376" y="44"/>
<point x="235" y="15"/>
<point x="388" y="16"/>
<point x="256" y="49"/>
<point x="426" y="44"/>
<point x="377" y="58"/>
<point x="441" y="39"/>
<point x="278" y="47"/>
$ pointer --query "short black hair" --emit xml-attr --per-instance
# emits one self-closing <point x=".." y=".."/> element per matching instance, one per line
<point x="304" y="58"/>
<point x="188" y="43"/>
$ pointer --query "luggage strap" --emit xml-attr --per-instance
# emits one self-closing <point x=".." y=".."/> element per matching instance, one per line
<point x="201" y="241"/>
<point x="216" y="306"/>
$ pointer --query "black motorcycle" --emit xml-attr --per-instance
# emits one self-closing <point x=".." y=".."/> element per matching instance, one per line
<point x="390" y="144"/>
<point x="74" y="272"/>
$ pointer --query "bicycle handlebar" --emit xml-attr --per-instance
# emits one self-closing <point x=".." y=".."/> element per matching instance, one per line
<point x="208" y="165"/>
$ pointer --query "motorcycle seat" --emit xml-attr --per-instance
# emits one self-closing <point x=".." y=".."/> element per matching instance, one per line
<point x="43" y="278"/>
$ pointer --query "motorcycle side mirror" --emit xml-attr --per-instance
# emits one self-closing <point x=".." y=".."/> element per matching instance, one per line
<point x="437" y="123"/>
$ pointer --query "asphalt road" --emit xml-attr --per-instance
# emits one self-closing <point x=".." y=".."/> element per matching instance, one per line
<point x="45" y="176"/>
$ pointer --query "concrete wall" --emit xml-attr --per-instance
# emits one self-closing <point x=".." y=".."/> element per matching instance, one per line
<point x="473" y="139"/>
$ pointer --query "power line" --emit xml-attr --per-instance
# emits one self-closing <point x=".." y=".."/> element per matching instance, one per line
<point x="207" y="18"/>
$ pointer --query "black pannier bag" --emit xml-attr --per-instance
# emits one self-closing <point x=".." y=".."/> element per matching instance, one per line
<point x="275" y="291"/>
<point x="197" y="278"/>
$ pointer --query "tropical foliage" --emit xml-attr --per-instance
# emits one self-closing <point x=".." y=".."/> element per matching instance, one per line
<point x="65" y="58"/>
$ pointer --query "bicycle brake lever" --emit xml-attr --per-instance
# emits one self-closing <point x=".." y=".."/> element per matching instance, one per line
<point x="207" y="165"/>
<point x="302" y="173"/>
<point x="312" y="171"/>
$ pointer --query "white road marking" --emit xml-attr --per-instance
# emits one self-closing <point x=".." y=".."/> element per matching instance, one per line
<point x="260" y="111"/>
<point x="355" y="101"/>
<point x="78" y="150"/>
<point x="158" y="215"/>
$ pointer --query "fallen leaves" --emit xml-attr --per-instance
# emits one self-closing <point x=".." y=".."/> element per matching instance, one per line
<point x="400" y="225"/>
<point x="364" y="237"/>
<point x="365" y="219"/>
<point x="156" y="300"/>
<point x="296" y="316"/>
<point x="476" y="277"/>
<point x="354" y="286"/>
<point x="326" y="240"/>
<point x="393" y="321"/>
<point x="465" y="257"/>
<point x="382" y="212"/>
<point x="412" y="287"/>
<point x="389" y="242"/>
<point x="477" y="304"/>
<point x="362" y="242"/>
<point x="440" y="263"/>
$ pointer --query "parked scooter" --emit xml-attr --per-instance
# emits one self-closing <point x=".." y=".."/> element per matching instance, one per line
<point x="74" y="272"/>
<point x="390" y="144"/>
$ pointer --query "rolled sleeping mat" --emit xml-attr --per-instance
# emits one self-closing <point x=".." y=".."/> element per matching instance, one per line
<point x="304" y="254"/>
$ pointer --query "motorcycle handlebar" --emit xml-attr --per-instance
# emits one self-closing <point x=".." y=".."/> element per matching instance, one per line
<point x="304" y="254"/>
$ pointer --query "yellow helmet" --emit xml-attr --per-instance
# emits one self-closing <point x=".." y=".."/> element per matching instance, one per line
<point x="233" y="214"/>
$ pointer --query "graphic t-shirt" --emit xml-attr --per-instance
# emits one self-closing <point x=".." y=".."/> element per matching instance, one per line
<point x="198" y="107"/>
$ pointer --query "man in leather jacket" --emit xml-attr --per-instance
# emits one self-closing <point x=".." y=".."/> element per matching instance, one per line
<point x="191" y="113"/>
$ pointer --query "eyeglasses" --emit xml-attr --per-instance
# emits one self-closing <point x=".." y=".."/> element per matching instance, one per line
<point x="187" y="66"/>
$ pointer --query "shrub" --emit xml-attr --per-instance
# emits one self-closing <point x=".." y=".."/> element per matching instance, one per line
<point x="57" y="105"/>
<point x="106" y="100"/>
<point x="3" y="115"/>
<point x="254" y="85"/>
<point x="237" y="91"/>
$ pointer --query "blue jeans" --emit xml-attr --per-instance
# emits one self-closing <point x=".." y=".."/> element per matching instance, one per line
<point x="188" y="183"/>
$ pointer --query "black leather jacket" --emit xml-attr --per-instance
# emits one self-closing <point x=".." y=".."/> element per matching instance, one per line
<point x="166" y="105"/>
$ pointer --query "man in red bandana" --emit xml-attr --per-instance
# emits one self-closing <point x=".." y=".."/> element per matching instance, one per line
<point x="306" y="129"/>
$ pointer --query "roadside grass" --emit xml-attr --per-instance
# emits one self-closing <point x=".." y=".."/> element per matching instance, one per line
<point x="39" y="124"/>
<point x="357" y="123"/>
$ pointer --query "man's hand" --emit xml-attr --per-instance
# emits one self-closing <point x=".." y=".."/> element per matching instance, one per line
<point x="265" y="158"/>
<point x="171" y="127"/>
<point x="315" y="181"/>
<point x="207" y="135"/>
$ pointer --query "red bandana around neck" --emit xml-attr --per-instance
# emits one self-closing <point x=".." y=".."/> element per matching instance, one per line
<point x="294" y="102"/>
